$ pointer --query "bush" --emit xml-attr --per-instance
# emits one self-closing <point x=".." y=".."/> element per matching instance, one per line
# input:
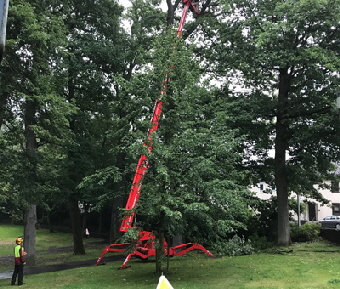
<point x="260" y="243"/>
<point x="235" y="246"/>
<point x="308" y="232"/>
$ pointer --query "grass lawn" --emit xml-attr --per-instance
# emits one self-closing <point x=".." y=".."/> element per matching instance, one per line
<point x="46" y="242"/>
<point x="307" y="266"/>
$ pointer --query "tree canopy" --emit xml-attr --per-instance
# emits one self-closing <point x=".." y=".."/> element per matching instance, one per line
<point x="251" y="98"/>
<point x="285" y="57"/>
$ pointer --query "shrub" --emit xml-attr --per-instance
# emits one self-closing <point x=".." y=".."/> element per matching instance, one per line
<point x="308" y="232"/>
<point x="236" y="246"/>
<point x="264" y="220"/>
<point x="260" y="243"/>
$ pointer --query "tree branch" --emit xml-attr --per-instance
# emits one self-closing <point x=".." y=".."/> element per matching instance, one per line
<point x="323" y="110"/>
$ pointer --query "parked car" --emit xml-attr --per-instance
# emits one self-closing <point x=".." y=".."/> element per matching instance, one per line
<point x="331" y="222"/>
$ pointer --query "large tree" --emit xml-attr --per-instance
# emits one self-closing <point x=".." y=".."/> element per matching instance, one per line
<point x="193" y="166"/>
<point x="116" y="126"/>
<point x="95" y="52"/>
<point x="281" y="61"/>
<point x="27" y="90"/>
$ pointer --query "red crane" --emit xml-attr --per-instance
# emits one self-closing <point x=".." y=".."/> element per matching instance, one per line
<point x="145" y="244"/>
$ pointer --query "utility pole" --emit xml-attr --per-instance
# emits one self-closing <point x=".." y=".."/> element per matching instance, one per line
<point x="299" y="213"/>
<point x="3" y="21"/>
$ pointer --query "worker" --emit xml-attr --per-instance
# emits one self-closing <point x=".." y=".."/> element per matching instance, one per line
<point x="19" y="258"/>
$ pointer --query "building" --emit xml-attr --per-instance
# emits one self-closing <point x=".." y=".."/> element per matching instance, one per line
<point x="315" y="211"/>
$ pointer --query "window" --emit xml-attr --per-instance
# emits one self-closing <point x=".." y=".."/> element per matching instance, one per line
<point x="261" y="187"/>
<point x="336" y="209"/>
<point x="334" y="187"/>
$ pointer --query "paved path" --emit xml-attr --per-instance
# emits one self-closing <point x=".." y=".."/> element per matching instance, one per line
<point x="64" y="266"/>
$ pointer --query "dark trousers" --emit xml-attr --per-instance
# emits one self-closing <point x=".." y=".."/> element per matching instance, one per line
<point x="18" y="271"/>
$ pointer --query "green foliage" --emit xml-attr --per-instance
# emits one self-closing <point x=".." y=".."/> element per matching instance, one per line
<point x="293" y="205"/>
<point x="277" y="34"/>
<point x="308" y="232"/>
<point x="32" y="112"/>
<point x="260" y="243"/>
<point x="263" y="222"/>
<point x="236" y="246"/>
<point x="280" y="60"/>
<point x="193" y="173"/>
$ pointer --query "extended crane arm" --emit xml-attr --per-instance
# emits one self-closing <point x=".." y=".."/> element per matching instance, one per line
<point x="143" y="165"/>
<point x="145" y="245"/>
<point x="141" y="168"/>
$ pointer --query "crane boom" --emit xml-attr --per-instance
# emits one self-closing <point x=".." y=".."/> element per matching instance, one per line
<point x="141" y="168"/>
<point x="142" y="165"/>
<point x="145" y="243"/>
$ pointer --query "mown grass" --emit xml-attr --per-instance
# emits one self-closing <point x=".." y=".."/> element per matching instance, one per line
<point x="8" y="234"/>
<point x="46" y="242"/>
<point x="308" y="266"/>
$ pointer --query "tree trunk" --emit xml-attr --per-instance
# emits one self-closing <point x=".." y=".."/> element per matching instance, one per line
<point x="177" y="240"/>
<point x="85" y="214"/>
<point x="115" y="215"/>
<point x="170" y="14"/>
<point x="119" y="188"/>
<point x="168" y="255"/>
<point x="3" y="108"/>
<point x="114" y="228"/>
<point x="160" y="252"/>
<point x="281" y="144"/>
<point x="30" y="218"/>
<point x="160" y="237"/>
<point x="100" y="222"/>
<point x="49" y="222"/>
<point x="78" y="245"/>
<point x="30" y="234"/>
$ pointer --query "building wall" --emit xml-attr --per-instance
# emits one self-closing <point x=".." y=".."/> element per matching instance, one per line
<point x="315" y="211"/>
<point x="334" y="207"/>
<point x="263" y="191"/>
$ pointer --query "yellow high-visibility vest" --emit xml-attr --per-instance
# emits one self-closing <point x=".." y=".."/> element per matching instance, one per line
<point x="17" y="250"/>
